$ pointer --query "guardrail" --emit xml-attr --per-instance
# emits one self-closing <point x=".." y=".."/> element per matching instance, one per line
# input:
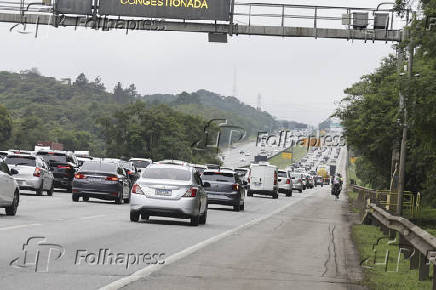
<point x="388" y="200"/>
<point x="420" y="245"/>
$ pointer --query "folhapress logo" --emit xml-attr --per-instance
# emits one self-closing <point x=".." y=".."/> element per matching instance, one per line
<point x="38" y="254"/>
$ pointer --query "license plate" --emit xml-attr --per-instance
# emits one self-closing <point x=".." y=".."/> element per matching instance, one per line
<point x="163" y="192"/>
<point x="258" y="183"/>
<point x="94" y="180"/>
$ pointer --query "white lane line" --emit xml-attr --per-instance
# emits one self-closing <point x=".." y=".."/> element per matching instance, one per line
<point x="92" y="217"/>
<point x="18" y="227"/>
<point x="146" y="271"/>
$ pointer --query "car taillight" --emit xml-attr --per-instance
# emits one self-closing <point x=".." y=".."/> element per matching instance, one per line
<point x="37" y="172"/>
<point x="136" y="189"/>
<point x="235" y="187"/>
<point x="112" y="178"/>
<point x="288" y="181"/>
<point x="64" y="166"/>
<point x="191" y="192"/>
<point x="79" y="176"/>
<point x="129" y="172"/>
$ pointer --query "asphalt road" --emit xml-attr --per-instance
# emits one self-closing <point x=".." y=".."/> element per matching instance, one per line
<point x="298" y="226"/>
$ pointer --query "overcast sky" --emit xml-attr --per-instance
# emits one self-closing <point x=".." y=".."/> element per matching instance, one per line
<point x="299" y="79"/>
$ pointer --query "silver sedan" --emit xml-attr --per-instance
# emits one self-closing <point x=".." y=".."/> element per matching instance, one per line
<point x="169" y="190"/>
<point x="32" y="173"/>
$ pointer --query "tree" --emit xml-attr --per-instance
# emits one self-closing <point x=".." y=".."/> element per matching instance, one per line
<point x="5" y="125"/>
<point x="81" y="80"/>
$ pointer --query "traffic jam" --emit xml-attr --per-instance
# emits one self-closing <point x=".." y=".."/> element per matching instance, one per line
<point x="166" y="188"/>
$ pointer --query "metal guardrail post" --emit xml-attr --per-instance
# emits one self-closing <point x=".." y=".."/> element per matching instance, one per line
<point x="424" y="268"/>
<point x="414" y="260"/>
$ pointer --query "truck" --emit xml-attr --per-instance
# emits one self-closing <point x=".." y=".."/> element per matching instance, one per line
<point x="260" y="158"/>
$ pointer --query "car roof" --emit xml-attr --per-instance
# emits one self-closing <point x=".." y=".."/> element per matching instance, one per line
<point x="140" y="159"/>
<point x="21" y="156"/>
<point x="168" y="165"/>
<point x="218" y="171"/>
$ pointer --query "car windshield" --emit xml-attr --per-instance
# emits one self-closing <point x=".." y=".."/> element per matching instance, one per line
<point x="18" y="160"/>
<point x="99" y="167"/>
<point x="140" y="163"/>
<point x="53" y="157"/>
<point x="167" y="173"/>
<point x="218" y="176"/>
<point x="282" y="174"/>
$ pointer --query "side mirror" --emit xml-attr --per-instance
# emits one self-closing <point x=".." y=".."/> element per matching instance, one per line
<point x="13" y="171"/>
<point x="206" y="184"/>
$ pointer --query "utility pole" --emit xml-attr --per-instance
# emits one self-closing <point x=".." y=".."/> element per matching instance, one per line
<point x="401" y="177"/>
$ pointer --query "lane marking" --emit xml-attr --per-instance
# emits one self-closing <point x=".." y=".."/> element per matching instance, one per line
<point x="18" y="227"/>
<point x="146" y="271"/>
<point x="92" y="217"/>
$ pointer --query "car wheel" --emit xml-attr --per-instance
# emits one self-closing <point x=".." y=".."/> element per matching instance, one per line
<point x="12" y="210"/>
<point x="119" y="199"/>
<point x="85" y="198"/>
<point x="203" y="217"/>
<point x="51" y="190"/>
<point x="289" y="193"/>
<point x="127" y="200"/>
<point x="237" y="207"/>
<point x="40" y="189"/>
<point x="249" y="193"/>
<point x="195" y="220"/>
<point x="242" y="206"/>
<point x="134" y="216"/>
<point x="70" y="189"/>
<point x="75" y="197"/>
<point x="145" y="217"/>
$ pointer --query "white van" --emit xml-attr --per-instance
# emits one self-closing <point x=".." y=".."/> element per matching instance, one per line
<point x="263" y="180"/>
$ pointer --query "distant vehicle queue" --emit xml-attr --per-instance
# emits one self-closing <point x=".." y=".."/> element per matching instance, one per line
<point x="167" y="188"/>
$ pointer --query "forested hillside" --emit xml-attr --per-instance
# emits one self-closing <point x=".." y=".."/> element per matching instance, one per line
<point x="85" y="115"/>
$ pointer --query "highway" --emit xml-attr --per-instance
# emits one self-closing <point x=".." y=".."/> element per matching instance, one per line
<point x="304" y="223"/>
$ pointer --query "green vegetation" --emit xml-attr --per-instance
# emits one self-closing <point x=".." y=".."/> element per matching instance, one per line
<point x="282" y="163"/>
<point x="372" y="121"/>
<point x="365" y="237"/>
<point x="83" y="115"/>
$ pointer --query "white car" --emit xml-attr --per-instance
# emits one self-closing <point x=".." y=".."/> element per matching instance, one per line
<point x="140" y="163"/>
<point x="285" y="182"/>
<point x="32" y="173"/>
<point x="169" y="190"/>
<point x="9" y="190"/>
<point x="263" y="180"/>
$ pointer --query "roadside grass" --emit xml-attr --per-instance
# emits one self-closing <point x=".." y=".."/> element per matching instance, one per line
<point x="380" y="276"/>
<point x="282" y="163"/>
<point x="427" y="220"/>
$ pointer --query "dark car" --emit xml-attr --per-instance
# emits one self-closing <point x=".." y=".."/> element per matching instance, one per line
<point x="102" y="180"/>
<point x="131" y="172"/>
<point x="63" y="165"/>
<point x="224" y="187"/>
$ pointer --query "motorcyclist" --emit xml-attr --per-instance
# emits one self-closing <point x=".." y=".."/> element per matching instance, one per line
<point x="337" y="185"/>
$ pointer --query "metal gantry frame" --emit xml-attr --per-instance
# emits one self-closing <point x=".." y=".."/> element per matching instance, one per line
<point x="44" y="13"/>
